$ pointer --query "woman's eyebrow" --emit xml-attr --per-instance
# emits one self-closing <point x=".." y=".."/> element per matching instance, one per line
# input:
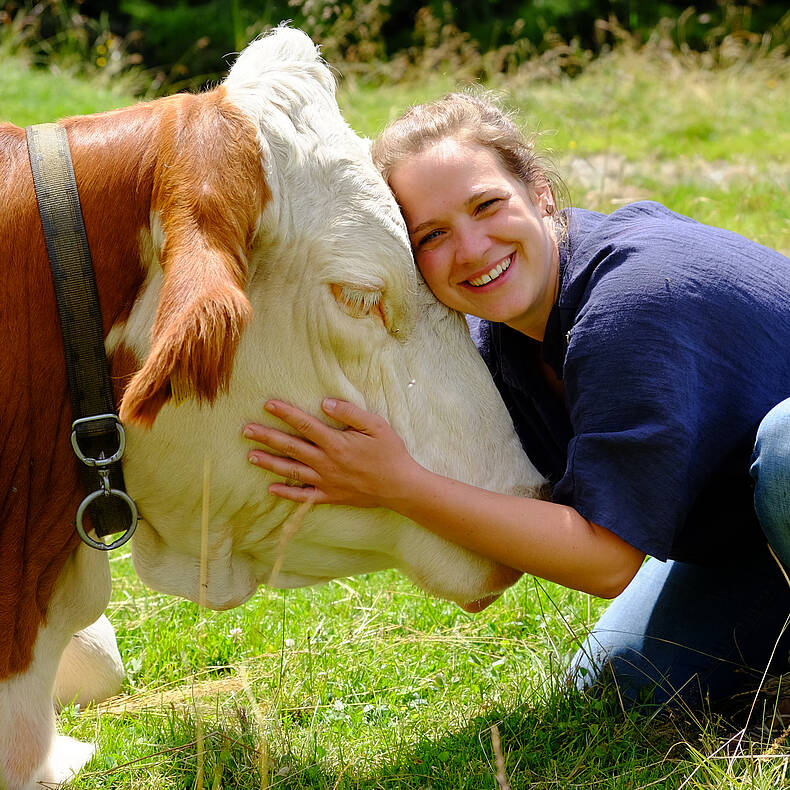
<point x="421" y="227"/>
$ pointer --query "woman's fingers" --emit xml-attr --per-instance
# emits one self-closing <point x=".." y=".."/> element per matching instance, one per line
<point x="283" y="466"/>
<point x="313" y="429"/>
<point x="308" y="426"/>
<point x="284" y="443"/>
<point x="352" y="415"/>
<point x="350" y="466"/>
<point x="294" y="458"/>
<point x="299" y="493"/>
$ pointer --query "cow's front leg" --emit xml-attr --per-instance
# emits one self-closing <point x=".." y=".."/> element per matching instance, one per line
<point x="31" y="751"/>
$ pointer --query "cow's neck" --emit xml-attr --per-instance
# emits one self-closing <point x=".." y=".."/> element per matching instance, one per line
<point x="114" y="156"/>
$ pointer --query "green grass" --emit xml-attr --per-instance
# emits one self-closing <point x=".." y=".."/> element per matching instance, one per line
<point x="709" y="144"/>
<point x="366" y="683"/>
<point x="34" y="96"/>
<point x="362" y="683"/>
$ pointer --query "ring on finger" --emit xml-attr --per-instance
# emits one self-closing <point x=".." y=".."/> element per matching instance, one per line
<point x="292" y="478"/>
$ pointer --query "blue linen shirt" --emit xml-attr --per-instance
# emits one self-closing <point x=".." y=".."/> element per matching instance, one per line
<point x="672" y="339"/>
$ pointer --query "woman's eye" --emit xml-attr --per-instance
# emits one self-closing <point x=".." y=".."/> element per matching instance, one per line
<point x="429" y="237"/>
<point x="486" y="204"/>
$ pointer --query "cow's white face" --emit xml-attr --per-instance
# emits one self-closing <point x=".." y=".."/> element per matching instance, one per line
<point x="339" y="310"/>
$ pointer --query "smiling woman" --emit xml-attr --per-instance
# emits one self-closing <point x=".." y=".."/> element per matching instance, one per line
<point x="484" y="240"/>
<point x="604" y="336"/>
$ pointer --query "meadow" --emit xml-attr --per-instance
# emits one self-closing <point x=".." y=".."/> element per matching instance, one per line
<point x="366" y="683"/>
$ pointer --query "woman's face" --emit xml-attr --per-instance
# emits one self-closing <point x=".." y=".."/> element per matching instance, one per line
<point x="483" y="241"/>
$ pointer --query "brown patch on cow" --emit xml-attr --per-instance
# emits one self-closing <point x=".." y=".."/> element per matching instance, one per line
<point x="195" y="159"/>
<point x="483" y="603"/>
<point x="209" y="215"/>
<point x="124" y="363"/>
<point x="38" y="474"/>
<point x="114" y="165"/>
<point x="498" y="580"/>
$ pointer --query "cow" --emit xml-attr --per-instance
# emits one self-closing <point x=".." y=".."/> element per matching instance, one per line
<point x="245" y="247"/>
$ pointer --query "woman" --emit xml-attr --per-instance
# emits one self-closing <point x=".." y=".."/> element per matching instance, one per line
<point x="638" y="353"/>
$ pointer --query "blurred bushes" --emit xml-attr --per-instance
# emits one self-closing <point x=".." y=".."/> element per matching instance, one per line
<point x="184" y="44"/>
<point x="56" y="36"/>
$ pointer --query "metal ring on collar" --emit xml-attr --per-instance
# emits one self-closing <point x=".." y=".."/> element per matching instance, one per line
<point x="87" y="460"/>
<point x="97" y="544"/>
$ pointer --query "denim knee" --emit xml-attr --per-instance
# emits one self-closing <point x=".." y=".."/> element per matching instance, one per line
<point x="684" y="634"/>
<point x="771" y="472"/>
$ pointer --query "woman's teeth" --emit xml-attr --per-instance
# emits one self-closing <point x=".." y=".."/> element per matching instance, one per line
<point x="493" y="274"/>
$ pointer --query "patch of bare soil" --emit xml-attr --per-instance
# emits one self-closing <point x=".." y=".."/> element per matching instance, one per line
<point x="612" y="177"/>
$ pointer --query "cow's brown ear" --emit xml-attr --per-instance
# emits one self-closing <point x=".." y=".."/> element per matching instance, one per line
<point x="208" y="194"/>
<point x="197" y="329"/>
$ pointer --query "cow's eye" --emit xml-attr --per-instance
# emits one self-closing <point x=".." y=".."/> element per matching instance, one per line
<point x="358" y="302"/>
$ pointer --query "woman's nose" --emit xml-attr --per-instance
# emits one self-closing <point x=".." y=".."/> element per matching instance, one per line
<point x="471" y="243"/>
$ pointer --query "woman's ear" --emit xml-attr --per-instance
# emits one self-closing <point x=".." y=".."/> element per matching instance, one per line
<point x="544" y="198"/>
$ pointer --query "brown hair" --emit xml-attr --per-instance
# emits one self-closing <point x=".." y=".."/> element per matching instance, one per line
<point x="469" y="118"/>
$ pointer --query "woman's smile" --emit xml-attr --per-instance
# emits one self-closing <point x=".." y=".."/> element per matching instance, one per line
<point x="493" y="275"/>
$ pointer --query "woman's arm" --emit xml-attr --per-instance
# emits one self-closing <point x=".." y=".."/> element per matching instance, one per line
<point x="367" y="465"/>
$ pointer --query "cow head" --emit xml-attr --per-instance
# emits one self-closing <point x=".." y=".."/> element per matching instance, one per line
<point x="288" y="273"/>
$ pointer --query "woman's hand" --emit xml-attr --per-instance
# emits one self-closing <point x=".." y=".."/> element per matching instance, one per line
<point x="363" y="465"/>
<point x="367" y="465"/>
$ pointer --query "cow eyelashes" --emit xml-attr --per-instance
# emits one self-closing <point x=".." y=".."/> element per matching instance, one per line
<point x="357" y="302"/>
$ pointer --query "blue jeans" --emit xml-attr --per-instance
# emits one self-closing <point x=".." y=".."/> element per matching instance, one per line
<point x="686" y="633"/>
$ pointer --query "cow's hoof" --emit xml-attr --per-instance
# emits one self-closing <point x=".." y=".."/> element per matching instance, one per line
<point x="66" y="759"/>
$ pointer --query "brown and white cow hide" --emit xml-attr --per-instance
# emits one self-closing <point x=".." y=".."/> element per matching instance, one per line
<point x="245" y="246"/>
